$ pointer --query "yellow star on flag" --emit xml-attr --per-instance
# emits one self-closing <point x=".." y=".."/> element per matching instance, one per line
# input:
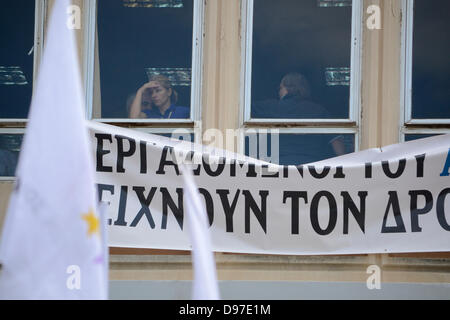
<point x="93" y="222"/>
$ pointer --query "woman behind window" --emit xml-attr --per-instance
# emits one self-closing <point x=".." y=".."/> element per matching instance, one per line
<point x="157" y="100"/>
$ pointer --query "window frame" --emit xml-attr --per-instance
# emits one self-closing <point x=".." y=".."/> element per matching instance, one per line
<point x="407" y="73"/>
<point x="422" y="131"/>
<point x="18" y="125"/>
<point x="306" y="126"/>
<point x="166" y="130"/>
<point x="39" y="29"/>
<point x="89" y="68"/>
<point x="355" y="71"/>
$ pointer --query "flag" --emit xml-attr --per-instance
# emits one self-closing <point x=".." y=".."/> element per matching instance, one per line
<point x="205" y="285"/>
<point x="51" y="245"/>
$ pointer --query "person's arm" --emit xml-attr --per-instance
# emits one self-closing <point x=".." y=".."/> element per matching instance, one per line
<point x="136" y="106"/>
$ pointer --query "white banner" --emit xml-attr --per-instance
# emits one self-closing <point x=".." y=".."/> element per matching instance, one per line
<point x="393" y="199"/>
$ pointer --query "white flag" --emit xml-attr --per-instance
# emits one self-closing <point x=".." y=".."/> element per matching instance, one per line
<point x="205" y="285"/>
<point x="51" y="245"/>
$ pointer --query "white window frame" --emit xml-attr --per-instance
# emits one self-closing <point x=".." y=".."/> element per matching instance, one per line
<point x="423" y="131"/>
<point x="302" y="126"/>
<point x="355" y="70"/>
<point x="407" y="72"/>
<point x="39" y="27"/>
<point x="196" y="76"/>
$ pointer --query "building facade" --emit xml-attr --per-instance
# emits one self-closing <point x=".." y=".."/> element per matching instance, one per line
<point x="377" y="69"/>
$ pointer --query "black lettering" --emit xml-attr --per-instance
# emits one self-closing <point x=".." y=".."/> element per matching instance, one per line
<point x="101" y="152"/>
<point x="420" y="159"/>
<point x="177" y="211"/>
<point x="313" y="172"/>
<point x="285" y="171"/>
<point x="415" y="212"/>
<point x="251" y="173"/>
<point x="260" y="214"/>
<point x="400" y="225"/>
<point x="209" y="204"/>
<point x="228" y="210"/>
<point x="251" y="169"/>
<point x="233" y="163"/>
<point x="145" y="206"/>
<point x="121" y="153"/>
<point x="122" y="206"/>
<point x="295" y="196"/>
<point x="440" y="209"/>
<point x="143" y="149"/>
<point x="207" y="167"/>
<point x="314" y="213"/>
<point x="167" y="151"/>
<point x="368" y="170"/>
<point x="339" y="173"/>
<point x="358" y="214"/>
<point x="300" y="170"/>
<point x="398" y="173"/>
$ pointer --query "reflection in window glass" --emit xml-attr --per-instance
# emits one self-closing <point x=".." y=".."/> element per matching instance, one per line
<point x="431" y="67"/>
<point x="301" y="59"/>
<point x="296" y="149"/>
<point x="16" y="58"/>
<point x="9" y="153"/>
<point x="145" y="53"/>
<point x="411" y="137"/>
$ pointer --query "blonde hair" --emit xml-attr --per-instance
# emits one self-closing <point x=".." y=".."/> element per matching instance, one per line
<point x="165" y="82"/>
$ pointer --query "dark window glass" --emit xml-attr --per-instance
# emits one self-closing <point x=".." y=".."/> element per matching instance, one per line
<point x="9" y="153"/>
<point x="139" y="40"/>
<point x="296" y="149"/>
<point x="301" y="59"/>
<point x="188" y="137"/>
<point x="16" y="58"/>
<point x="431" y="64"/>
<point x="410" y="137"/>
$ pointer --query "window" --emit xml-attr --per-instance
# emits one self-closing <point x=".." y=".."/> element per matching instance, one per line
<point x="21" y="26"/>
<point x="301" y="74"/>
<point x="10" y="142"/>
<point x="16" y="58"/>
<point x="294" y="147"/>
<point x="146" y="58"/>
<point x="426" y="98"/>
<point x="412" y="136"/>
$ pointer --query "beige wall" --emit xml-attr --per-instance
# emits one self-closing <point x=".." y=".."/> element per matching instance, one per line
<point x="5" y="191"/>
<point x="221" y="98"/>
<point x="381" y="78"/>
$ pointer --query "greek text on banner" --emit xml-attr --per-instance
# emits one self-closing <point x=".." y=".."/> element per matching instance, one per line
<point x="393" y="199"/>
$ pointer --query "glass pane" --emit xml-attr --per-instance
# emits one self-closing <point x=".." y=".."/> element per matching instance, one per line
<point x="301" y="59"/>
<point x="16" y="58"/>
<point x="9" y="153"/>
<point x="188" y="137"/>
<point x="431" y="67"/>
<point x="415" y="136"/>
<point x="296" y="149"/>
<point x="145" y="57"/>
